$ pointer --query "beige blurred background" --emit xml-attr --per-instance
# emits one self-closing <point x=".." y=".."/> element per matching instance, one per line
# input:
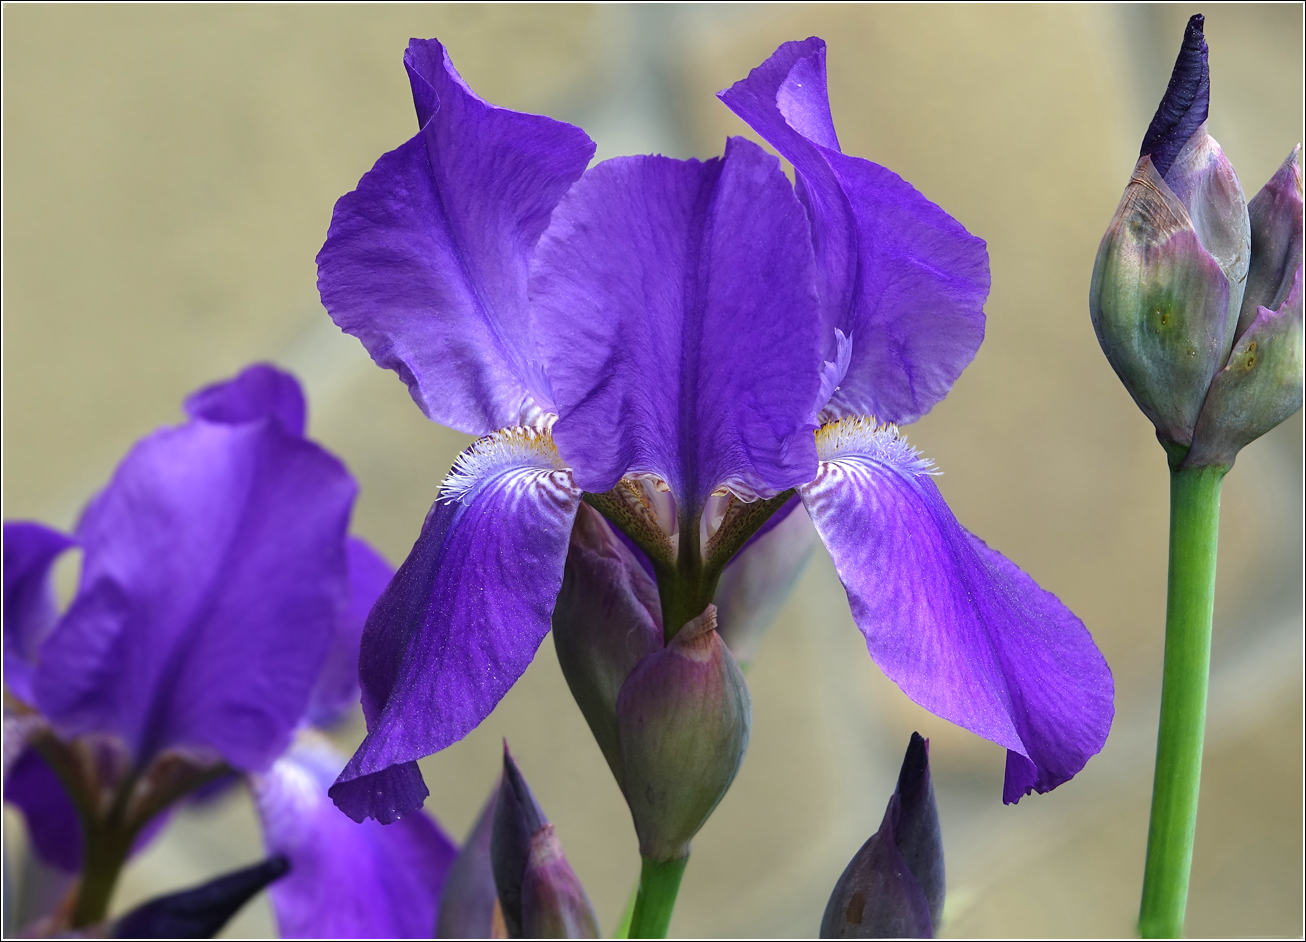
<point x="169" y="174"/>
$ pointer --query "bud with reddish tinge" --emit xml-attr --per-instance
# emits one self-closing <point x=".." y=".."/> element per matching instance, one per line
<point x="894" y="886"/>
<point x="683" y="720"/>
<point x="1261" y="385"/>
<point x="1171" y="272"/>
<point x="539" y="894"/>
<point x="672" y="719"/>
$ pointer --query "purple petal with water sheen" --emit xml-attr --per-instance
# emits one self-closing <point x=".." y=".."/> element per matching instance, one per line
<point x="902" y="280"/>
<point x="30" y="551"/>
<point x="426" y="261"/>
<point x="677" y="317"/>
<point x="462" y="618"/>
<point x="213" y="574"/>
<point x="337" y="690"/>
<point x="957" y="626"/>
<point x="346" y="880"/>
<point x="260" y="391"/>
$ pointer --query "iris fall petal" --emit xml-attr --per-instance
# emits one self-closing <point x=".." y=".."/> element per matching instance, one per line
<point x="956" y="625"/>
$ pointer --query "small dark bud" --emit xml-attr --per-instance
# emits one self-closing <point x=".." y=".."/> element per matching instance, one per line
<point x="894" y="886"/>
<point x="554" y="904"/>
<point x="201" y="912"/>
<point x="539" y="894"/>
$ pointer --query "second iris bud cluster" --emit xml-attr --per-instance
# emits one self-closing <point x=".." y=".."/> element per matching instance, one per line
<point x="511" y="879"/>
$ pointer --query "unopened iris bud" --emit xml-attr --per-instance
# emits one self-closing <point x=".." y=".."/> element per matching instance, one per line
<point x="469" y="898"/>
<point x="1262" y="383"/>
<point x="894" y="886"/>
<point x="683" y="720"/>
<point x="1168" y="282"/>
<point x="606" y="620"/>
<point x="199" y="913"/>
<point x="1275" y="214"/>
<point x="554" y="904"/>
<point x="672" y="719"/>
<point x="539" y="894"/>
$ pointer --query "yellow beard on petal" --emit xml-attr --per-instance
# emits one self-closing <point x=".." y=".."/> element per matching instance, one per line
<point x="860" y="435"/>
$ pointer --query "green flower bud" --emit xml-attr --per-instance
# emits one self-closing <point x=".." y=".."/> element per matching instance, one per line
<point x="1160" y="305"/>
<point x="1262" y="383"/>
<point x="683" y="718"/>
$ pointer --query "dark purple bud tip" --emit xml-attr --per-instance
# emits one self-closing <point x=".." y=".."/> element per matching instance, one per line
<point x="1185" y="104"/>
<point x="201" y="912"/>
<point x="517" y="816"/>
<point x="894" y="886"/>
<point x="919" y="840"/>
<point x="877" y="896"/>
<point x="469" y="896"/>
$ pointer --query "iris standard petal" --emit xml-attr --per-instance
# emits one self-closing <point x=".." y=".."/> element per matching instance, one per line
<point x="336" y="691"/>
<point x="30" y="551"/>
<point x="957" y="626"/>
<point x="426" y="261"/>
<point x="677" y="316"/>
<point x="462" y="618"/>
<point x="346" y="880"/>
<point x="902" y="280"/>
<point x="213" y="574"/>
<point x="260" y="391"/>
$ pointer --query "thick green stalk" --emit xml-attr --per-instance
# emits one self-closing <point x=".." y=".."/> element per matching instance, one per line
<point x="659" y="882"/>
<point x="1194" y="526"/>
<point x="106" y="842"/>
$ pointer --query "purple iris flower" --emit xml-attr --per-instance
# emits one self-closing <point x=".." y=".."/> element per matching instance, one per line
<point x="687" y="345"/>
<point x="219" y="610"/>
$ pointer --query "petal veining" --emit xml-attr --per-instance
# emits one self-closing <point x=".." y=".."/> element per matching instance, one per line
<point x="463" y="616"/>
<point x="426" y="261"/>
<point x="677" y="317"/>
<point x="956" y="625"/>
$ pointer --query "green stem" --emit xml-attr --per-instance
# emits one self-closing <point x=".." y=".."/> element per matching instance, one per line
<point x="1194" y="526"/>
<point x="105" y="856"/>
<point x="659" y="881"/>
<point x="627" y="914"/>
<point x="107" y="841"/>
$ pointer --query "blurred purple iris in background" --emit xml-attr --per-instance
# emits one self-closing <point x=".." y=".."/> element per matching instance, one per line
<point x="218" y="611"/>
<point x="693" y="347"/>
